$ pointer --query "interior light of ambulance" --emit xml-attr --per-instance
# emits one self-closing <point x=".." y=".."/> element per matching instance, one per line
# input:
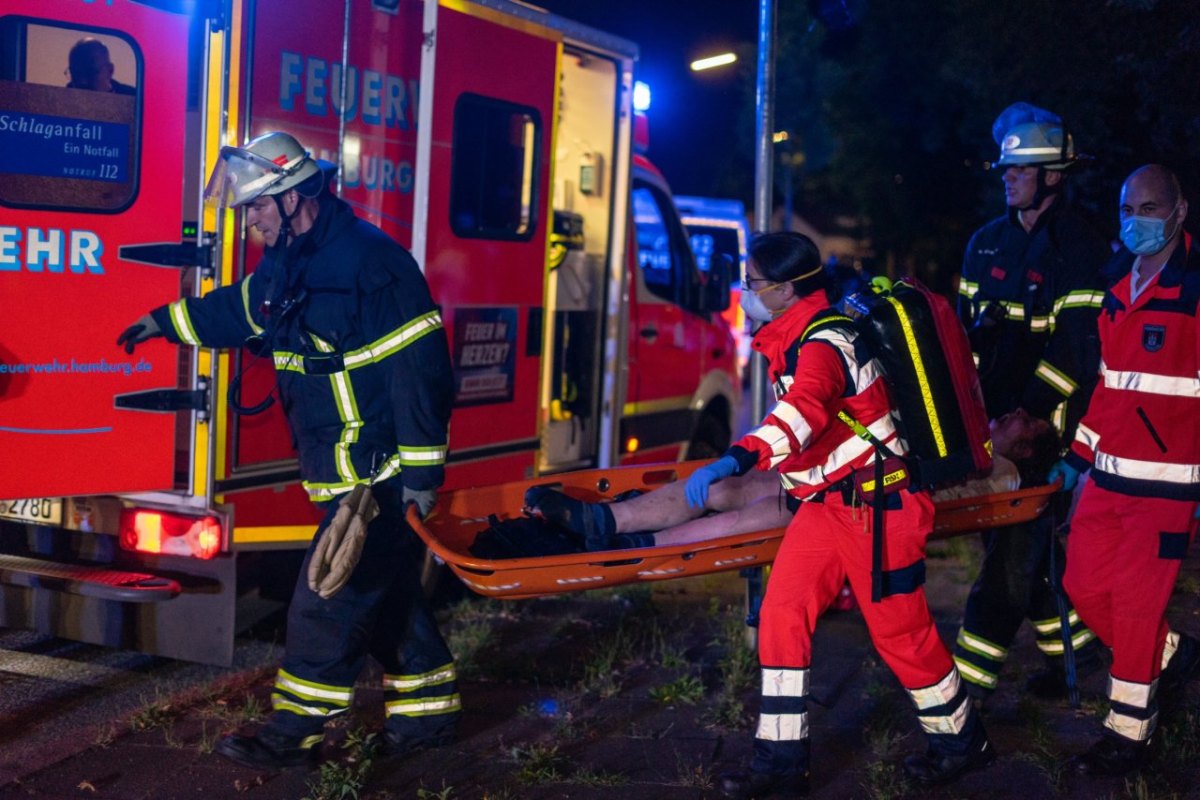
<point x="632" y="445"/>
<point x="170" y="534"/>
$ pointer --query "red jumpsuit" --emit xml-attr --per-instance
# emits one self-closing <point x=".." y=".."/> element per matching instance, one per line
<point x="1141" y="439"/>
<point x="818" y="370"/>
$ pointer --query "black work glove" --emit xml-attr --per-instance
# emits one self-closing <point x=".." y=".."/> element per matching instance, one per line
<point x="145" y="328"/>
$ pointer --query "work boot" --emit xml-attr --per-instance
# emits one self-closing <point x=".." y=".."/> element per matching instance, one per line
<point x="592" y="524"/>
<point x="932" y="768"/>
<point x="1111" y="756"/>
<point x="394" y="746"/>
<point x="750" y="785"/>
<point x="270" y="750"/>
<point x="1049" y="683"/>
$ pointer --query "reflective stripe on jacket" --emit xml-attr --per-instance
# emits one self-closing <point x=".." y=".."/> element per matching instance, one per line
<point x="1042" y="355"/>
<point x="815" y="377"/>
<point x="361" y="358"/>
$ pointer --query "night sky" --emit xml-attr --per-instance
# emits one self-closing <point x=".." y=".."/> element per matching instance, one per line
<point x="694" y="117"/>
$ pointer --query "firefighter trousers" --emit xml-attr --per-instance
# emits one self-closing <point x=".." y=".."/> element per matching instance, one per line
<point x="1014" y="585"/>
<point x="381" y="612"/>
<point x="1123" y="556"/>
<point x="827" y="543"/>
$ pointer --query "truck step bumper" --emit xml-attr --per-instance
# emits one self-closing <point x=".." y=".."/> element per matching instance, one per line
<point x="101" y="583"/>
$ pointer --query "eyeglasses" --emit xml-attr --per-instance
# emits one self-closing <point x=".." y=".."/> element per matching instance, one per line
<point x="748" y="283"/>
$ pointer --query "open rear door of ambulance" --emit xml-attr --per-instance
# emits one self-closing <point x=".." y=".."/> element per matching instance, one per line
<point x="489" y="77"/>
<point x="95" y="186"/>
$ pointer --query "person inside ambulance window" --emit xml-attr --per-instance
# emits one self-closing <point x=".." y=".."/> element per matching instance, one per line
<point x="90" y="67"/>
<point x="1140" y="443"/>
<point x="363" y="374"/>
<point x="1025" y="449"/>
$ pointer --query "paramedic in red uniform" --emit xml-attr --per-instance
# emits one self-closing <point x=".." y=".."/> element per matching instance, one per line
<point x="1141" y="440"/>
<point x="1029" y="295"/>
<point x="363" y="374"/>
<point x="819" y="369"/>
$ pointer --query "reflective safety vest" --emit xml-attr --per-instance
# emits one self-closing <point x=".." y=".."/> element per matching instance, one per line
<point x="1141" y="433"/>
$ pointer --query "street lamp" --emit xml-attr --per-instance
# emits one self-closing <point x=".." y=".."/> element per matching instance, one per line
<point x="713" y="61"/>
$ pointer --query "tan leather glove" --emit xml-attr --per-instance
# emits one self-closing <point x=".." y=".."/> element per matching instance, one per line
<point x="341" y="545"/>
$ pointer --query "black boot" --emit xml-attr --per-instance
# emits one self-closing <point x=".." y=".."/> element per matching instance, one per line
<point x="1111" y="756"/>
<point x="394" y="746"/>
<point x="750" y="785"/>
<point x="591" y="523"/>
<point x="933" y="768"/>
<point x="1049" y="683"/>
<point x="270" y="750"/>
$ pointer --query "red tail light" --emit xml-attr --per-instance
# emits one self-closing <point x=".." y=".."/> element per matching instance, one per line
<point x="170" y="534"/>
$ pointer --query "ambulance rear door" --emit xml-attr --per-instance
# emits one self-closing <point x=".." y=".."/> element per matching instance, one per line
<point x="89" y="177"/>
<point x="489" y="79"/>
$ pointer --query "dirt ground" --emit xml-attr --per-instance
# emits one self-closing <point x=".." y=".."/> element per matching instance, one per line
<point x="639" y="693"/>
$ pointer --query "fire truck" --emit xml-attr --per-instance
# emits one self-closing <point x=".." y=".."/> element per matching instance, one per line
<point x="496" y="141"/>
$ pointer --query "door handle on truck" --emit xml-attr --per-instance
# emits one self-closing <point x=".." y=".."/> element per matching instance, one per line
<point x="649" y="333"/>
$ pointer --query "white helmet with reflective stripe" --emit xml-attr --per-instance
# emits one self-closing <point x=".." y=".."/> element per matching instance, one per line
<point x="1041" y="144"/>
<point x="269" y="164"/>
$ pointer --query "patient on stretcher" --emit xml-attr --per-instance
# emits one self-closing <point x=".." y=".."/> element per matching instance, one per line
<point x="1025" y="447"/>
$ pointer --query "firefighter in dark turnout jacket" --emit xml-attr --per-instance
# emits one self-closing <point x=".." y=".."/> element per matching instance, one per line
<point x="1029" y="295"/>
<point x="1141" y="440"/>
<point x="363" y="373"/>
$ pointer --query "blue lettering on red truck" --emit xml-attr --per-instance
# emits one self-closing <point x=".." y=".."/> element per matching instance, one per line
<point x="50" y="250"/>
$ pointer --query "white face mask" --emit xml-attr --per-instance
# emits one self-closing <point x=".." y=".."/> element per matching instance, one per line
<point x="754" y="307"/>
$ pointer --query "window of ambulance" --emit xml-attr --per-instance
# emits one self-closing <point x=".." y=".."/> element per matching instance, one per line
<point x="666" y="271"/>
<point x="494" y="172"/>
<point x="70" y="109"/>
<point x="708" y="240"/>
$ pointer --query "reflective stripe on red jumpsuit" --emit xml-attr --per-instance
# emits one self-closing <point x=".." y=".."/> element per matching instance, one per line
<point x="828" y="542"/>
<point x="1141" y="438"/>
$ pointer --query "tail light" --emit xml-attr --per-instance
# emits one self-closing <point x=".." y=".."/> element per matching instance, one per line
<point x="164" y="533"/>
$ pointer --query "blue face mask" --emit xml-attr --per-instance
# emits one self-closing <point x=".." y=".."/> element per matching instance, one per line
<point x="1145" y="236"/>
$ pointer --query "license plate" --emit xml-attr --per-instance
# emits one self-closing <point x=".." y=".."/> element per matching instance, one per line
<point x="43" y="510"/>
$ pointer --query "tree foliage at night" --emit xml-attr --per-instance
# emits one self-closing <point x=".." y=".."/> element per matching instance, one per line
<point x="894" y="116"/>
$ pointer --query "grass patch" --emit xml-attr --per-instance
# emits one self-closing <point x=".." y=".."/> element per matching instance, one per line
<point x="587" y="777"/>
<point x="344" y="778"/>
<point x="537" y="764"/>
<point x="738" y="668"/>
<point x="444" y="793"/>
<point x="158" y="713"/>
<point x="1041" y="750"/>
<point x="687" y="690"/>
<point x="469" y="628"/>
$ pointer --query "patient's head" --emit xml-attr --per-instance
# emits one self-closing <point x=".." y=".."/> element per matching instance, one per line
<point x="1030" y="443"/>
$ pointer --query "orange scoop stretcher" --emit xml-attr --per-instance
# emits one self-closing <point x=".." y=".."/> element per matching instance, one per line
<point x="460" y="515"/>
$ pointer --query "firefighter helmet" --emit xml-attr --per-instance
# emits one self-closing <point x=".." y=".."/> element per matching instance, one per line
<point x="1040" y="144"/>
<point x="269" y="164"/>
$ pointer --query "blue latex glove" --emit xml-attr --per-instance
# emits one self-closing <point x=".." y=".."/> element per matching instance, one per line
<point x="696" y="490"/>
<point x="1069" y="475"/>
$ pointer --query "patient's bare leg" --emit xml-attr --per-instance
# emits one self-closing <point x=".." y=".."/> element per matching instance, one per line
<point x="763" y="514"/>
<point x="667" y="507"/>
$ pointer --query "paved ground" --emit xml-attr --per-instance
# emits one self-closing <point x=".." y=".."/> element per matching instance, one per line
<point x="633" y="694"/>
